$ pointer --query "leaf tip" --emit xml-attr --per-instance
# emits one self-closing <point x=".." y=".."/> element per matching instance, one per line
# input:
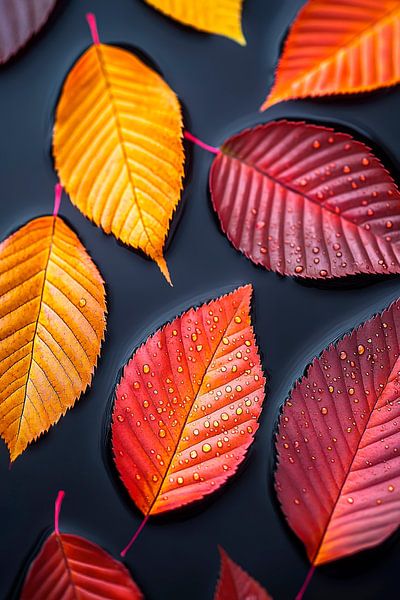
<point x="162" y="265"/>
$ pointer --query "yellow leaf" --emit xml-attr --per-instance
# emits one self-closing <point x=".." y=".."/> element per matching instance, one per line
<point x="52" y="322"/>
<point x="222" y="17"/>
<point x="118" y="147"/>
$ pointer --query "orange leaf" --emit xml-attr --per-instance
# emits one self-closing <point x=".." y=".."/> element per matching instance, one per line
<point x="52" y="321"/>
<point x="338" y="473"/>
<point x="222" y="17"/>
<point x="118" y="148"/>
<point x="236" y="584"/>
<point x="339" y="47"/>
<point x="187" y="405"/>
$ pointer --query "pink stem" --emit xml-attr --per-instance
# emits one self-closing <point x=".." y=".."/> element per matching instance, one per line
<point x="198" y="142"/>
<point x="57" y="509"/>
<point x="58" y="190"/>
<point x="306" y="583"/>
<point x="135" y="536"/>
<point x="91" y="19"/>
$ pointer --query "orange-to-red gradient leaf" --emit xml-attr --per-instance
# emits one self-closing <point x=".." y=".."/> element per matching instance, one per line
<point x="187" y="405"/>
<point x="338" y="473"/>
<point x="118" y="148"/>
<point x="339" y="47"/>
<point x="236" y="584"/>
<point x="222" y="17"/>
<point x="308" y="201"/>
<point x="52" y="322"/>
<point x="69" y="567"/>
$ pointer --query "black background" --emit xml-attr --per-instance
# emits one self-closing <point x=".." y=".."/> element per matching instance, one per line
<point x="221" y="86"/>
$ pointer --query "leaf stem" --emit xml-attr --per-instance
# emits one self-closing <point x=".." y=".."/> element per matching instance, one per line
<point x="58" y="190"/>
<point x="57" y="509"/>
<point x="91" y="19"/>
<point x="198" y="142"/>
<point x="135" y="536"/>
<point x="306" y="583"/>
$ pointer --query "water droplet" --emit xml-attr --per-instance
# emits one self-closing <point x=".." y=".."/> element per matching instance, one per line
<point x="360" y="349"/>
<point x="238" y="319"/>
<point x="351" y="391"/>
<point x="346" y="169"/>
<point x="206" y="448"/>
<point x="162" y="433"/>
<point x="299" y="269"/>
<point x="180" y="480"/>
<point x="225" y="341"/>
<point x="239" y="410"/>
<point x="193" y="454"/>
<point x="324" y="410"/>
<point x="391" y="488"/>
<point x="388" y="224"/>
<point x="316" y="144"/>
<point x="343" y="355"/>
<point x="263" y="250"/>
<point x="120" y="418"/>
<point x="350" y="500"/>
<point x="365" y="162"/>
<point x="146" y="369"/>
<point x="323" y="273"/>
<point x="224" y="416"/>
<point x="82" y="302"/>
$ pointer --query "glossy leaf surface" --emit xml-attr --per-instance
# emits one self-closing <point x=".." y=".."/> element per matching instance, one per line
<point x="222" y="17"/>
<point x="187" y="405"/>
<point x="69" y="567"/>
<point x="338" y="474"/>
<point x="339" y="47"/>
<point x="19" y="21"/>
<point x="118" y="148"/>
<point x="305" y="200"/>
<point x="52" y="322"/>
<point x="236" y="584"/>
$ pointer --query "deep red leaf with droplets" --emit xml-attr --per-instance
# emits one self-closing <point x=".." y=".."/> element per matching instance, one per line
<point x="338" y="473"/>
<point x="339" y="47"/>
<point x="305" y="200"/>
<point x="19" y="21"/>
<point x="236" y="584"/>
<point x="187" y="405"/>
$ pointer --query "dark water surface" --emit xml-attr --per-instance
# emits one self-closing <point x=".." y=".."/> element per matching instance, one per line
<point x="221" y="86"/>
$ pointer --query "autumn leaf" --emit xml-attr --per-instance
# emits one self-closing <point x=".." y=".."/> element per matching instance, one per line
<point x="222" y="17"/>
<point x="339" y="47"/>
<point x="19" y="21"/>
<point x="69" y="566"/>
<point x="118" y="148"/>
<point x="187" y="406"/>
<point x="236" y="584"/>
<point x="338" y="473"/>
<point x="52" y="322"/>
<point x="305" y="200"/>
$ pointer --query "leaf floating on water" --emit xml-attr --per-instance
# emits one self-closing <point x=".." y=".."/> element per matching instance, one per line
<point x="236" y="584"/>
<point x="19" y="21"/>
<point x="118" y="147"/>
<point x="338" y="473"/>
<point x="222" y="17"/>
<point x="187" y="406"/>
<point x="305" y="200"/>
<point x="339" y="47"/>
<point x="69" y="566"/>
<point x="52" y="322"/>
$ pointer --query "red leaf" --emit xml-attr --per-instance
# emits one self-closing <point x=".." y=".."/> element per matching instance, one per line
<point x="338" y="474"/>
<point x="69" y="566"/>
<point x="304" y="200"/>
<point x="236" y="584"/>
<point x="19" y="21"/>
<point x="187" y="405"/>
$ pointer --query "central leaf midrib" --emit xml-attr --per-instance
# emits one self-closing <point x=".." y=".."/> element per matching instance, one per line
<point x="195" y="396"/>
<point x="108" y="86"/>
